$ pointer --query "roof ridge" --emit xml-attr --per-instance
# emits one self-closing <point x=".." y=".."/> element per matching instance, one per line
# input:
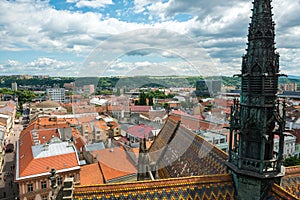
<point x="216" y="178"/>
<point x="292" y="169"/>
<point x="282" y="192"/>
<point x="168" y="142"/>
<point x="214" y="146"/>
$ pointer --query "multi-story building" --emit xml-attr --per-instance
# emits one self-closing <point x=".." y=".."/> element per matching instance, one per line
<point x="208" y="88"/>
<point x="289" y="146"/>
<point x="218" y="139"/>
<point x="289" y="87"/>
<point x="38" y="151"/>
<point x="14" y="86"/>
<point x="69" y="86"/>
<point x="56" y="94"/>
<point x="88" y="89"/>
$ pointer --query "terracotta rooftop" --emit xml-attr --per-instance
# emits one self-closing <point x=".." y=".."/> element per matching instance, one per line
<point x="115" y="163"/>
<point x="140" y="108"/>
<point x="193" y="122"/>
<point x="33" y="158"/>
<point x="91" y="174"/>
<point x="43" y="165"/>
<point x="140" y="131"/>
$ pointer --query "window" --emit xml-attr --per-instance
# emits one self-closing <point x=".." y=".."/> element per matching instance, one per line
<point x="30" y="187"/>
<point x="43" y="184"/>
<point x="72" y="176"/>
<point x="59" y="180"/>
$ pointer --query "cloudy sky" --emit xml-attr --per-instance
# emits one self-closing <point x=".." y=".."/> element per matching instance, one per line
<point x="137" y="37"/>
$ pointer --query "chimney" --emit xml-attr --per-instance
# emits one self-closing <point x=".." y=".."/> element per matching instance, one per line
<point x="46" y="146"/>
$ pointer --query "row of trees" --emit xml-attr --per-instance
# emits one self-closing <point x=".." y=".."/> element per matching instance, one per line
<point x="23" y="96"/>
<point x="147" y="98"/>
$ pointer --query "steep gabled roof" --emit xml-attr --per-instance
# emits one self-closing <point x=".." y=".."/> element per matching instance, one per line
<point x="278" y="193"/>
<point x="291" y="181"/>
<point x="178" y="152"/>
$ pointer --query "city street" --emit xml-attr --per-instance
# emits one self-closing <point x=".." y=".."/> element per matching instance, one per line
<point x="8" y="189"/>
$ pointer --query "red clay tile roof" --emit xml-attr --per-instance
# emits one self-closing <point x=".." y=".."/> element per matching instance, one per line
<point x="140" y="108"/>
<point x="194" y="123"/>
<point x="91" y="174"/>
<point x="46" y="134"/>
<point x="30" y="166"/>
<point x="43" y="165"/>
<point x="140" y="131"/>
<point x="79" y="142"/>
<point x="115" y="164"/>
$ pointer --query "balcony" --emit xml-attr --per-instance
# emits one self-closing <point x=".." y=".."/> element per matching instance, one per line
<point x="256" y="166"/>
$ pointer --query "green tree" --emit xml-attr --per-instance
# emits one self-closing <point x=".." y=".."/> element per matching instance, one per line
<point x="25" y="96"/>
<point x="142" y="99"/>
<point x="292" y="161"/>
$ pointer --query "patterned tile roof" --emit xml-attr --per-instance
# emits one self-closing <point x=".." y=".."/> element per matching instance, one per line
<point x="291" y="181"/>
<point x="278" y="193"/>
<point x="200" y="187"/>
<point x="179" y="152"/>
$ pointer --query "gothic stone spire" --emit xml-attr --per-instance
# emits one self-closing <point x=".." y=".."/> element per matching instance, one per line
<point x="254" y="118"/>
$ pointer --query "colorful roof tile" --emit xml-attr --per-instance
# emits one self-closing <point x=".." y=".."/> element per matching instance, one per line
<point x="178" y="152"/>
<point x="200" y="187"/>
<point x="278" y="193"/>
<point x="291" y="181"/>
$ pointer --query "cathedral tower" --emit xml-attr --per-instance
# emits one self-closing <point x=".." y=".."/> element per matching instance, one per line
<point x="258" y="117"/>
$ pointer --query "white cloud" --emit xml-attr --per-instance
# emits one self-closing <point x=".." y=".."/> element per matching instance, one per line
<point x="47" y="66"/>
<point x="218" y="26"/>
<point x="93" y="3"/>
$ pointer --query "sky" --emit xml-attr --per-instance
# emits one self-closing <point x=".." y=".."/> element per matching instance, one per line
<point x="137" y="37"/>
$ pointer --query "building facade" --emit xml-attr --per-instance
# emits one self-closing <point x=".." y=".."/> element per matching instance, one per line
<point x="56" y="94"/>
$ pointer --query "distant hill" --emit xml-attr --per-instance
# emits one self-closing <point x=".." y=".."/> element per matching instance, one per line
<point x="132" y="82"/>
<point x="294" y="77"/>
